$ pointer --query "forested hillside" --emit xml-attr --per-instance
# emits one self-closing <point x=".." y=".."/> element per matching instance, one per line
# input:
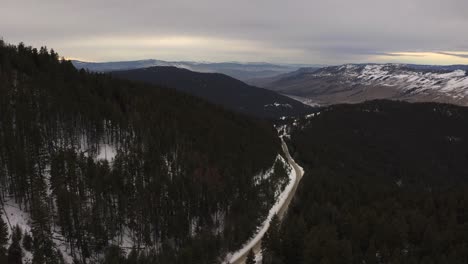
<point x="385" y="182"/>
<point x="94" y="169"/>
<point x="222" y="90"/>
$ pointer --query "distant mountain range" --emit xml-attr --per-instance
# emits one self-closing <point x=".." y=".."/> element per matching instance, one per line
<point x="220" y="89"/>
<point x="241" y="71"/>
<point x="313" y="85"/>
<point x="353" y="83"/>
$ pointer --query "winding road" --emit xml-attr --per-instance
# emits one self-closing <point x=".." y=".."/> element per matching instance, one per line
<point x="256" y="247"/>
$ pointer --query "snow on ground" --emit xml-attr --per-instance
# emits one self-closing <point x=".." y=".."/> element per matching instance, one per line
<point x="454" y="83"/>
<point x="284" y="131"/>
<point x="171" y="161"/>
<point x="312" y="115"/>
<point x="194" y="226"/>
<point x="451" y="83"/>
<point x="124" y="240"/>
<point x="232" y="257"/>
<point x="61" y="244"/>
<point x="219" y="218"/>
<point x="14" y="215"/>
<point x="259" y="257"/>
<point x="304" y="100"/>
<point x="264" y="175"/>
<point x="106" y="152"/>
<point x="278" y="105"/>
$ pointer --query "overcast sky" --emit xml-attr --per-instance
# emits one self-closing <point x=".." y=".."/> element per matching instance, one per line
<point x="280" y="31"/>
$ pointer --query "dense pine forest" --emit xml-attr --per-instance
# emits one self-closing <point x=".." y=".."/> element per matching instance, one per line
<point x="385" y="182"/>
<point x="112" y="171"/>
<point x="222" y="90"/>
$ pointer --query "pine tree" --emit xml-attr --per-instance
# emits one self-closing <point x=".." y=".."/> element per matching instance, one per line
<point x="27" y="242"/>
<point x="132" y="257"/>
<point x="271" y="241"/>
<point x="3" y="236"/>
<point x="114" y="254"/>
<point x="250" y="258"/>
<point x="15" y="253"/>
<point x="17" y="234"/>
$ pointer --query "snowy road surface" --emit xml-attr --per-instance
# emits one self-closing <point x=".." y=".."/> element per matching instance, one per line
<point x="280" y="209"/>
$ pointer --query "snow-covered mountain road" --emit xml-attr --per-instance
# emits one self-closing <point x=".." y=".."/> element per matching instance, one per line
<point x="280" y="208"/>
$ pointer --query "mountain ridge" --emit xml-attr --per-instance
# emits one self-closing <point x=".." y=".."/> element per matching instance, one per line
<point x="220" y="89"/>
<point x="244" y="71"/>
<point x="353" y="83"/>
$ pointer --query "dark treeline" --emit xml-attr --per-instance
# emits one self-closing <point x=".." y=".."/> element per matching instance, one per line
<point x="181" y="185"/>
<point x="386" y="182"/>
<point x="220" y="89"/>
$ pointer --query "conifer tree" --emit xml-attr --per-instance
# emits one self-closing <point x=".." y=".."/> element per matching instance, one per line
<point x="271" y="241"/>
<point x="15" y="253"/>
<point x="27" y="242"/>
<point x="250" y="258"/>
<point x="3" y="236"/>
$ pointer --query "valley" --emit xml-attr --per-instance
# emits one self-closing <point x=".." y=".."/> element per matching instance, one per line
<point x="192" y="162"/>
<point x="97" y="169"/>
<point x="233" y="132"/>
<point x="279" y="209"/>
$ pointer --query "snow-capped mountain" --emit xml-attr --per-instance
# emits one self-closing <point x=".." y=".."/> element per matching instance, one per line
<point x="354" y="83"/>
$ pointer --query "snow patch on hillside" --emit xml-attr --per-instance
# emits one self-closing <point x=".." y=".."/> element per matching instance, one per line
<point x="14" y="215"/>
<point x="103" y="151"/>
<point x="312" y="115"/>
<point x="284" y="131"/>
<point x="278" y="105"/>
<point x="124" y="240"/>
<point x="304" y="100"/>
<point x="265" y="175"/>
<point x="106" y="152"/>
<point x="454" y="84"/>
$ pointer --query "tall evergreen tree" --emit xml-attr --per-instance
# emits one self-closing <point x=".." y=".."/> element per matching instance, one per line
<point x="271" y="243"/>
<point x="15" y="252"/>
<point x="250" y="258"/>
<point x="27" y="242"/>
<point x="3" y="237"/>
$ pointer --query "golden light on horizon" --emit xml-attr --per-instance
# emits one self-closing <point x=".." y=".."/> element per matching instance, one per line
<point x="172" y="47"/>
<point x="439" y="58"/>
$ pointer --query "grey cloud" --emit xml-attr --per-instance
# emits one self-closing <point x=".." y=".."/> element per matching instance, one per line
<point x="325" y="31"/>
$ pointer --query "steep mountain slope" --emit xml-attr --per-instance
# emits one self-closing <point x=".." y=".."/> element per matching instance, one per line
<point x="220" y="89"/>
<point x="385" y="182"/>
<point x="268" y="82"/>
<point x="359" y="82"/>
<point x="241" y="71"/>
<point x="98" y="169"/>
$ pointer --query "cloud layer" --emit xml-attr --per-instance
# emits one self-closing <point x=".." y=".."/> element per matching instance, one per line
<point x="326" y="32"/>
